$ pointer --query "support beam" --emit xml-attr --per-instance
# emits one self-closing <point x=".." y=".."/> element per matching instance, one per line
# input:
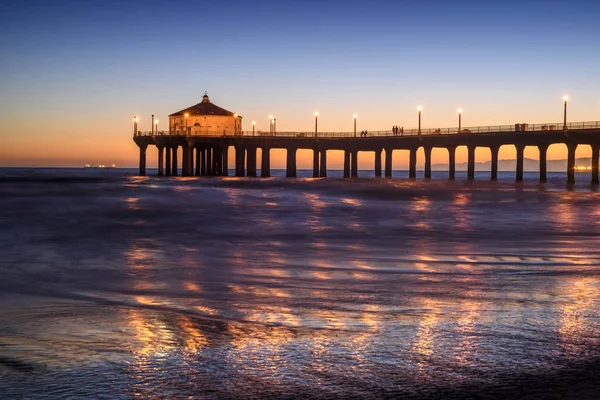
<point x="427" y="162"/>
<point x="185" y="160"/>
<point x="451" y="163"/>
<point x="161" y="161"/>
<point x="251" y="168"/>
<point x="471" y="163"/>
<point x="198" y="160"/>
<point x="494" y="168"/>
<point x="315" y="162"/>
<point x="240" y="160"/>
<point x="216" y="161"/>
<point x="388" y="162"/>
<point x="265" y="164"/>
<point x="203" y="165"/>
<point x="354" y="164"/>
<point x="174" y="163"/>
<point x="595" y="156"/>
<point x="378" y="163"/>
<point x="520" y="149"/>
<point x="168" y="161"/>
<point x="209" y="163"/>
<point x="225" y="161"/>
<point x="143" y="160"/>
<point x="571" y="147"/>
<point x="290" y="170"/>
<point x="323" y="163"/>
<point x="412" y="164"/>
<point x="543" y="164"/>
<point x="347" y="163"/>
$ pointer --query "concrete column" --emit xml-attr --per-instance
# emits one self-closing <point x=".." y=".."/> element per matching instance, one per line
<point x="347" y="163"/>
<point x="174" y="166"/>
<point x="315" y="162"/>
<point x="520" y="149"/>
<point x="209" y="164"/>
<point x="198" y="160"/>
<point x="354" y="164"/>
<point x="251" y="162"/>
<point x="427" y="162"/>
<point x="203" y="165"/>
<point x="225" y="161"/>
<point x="471" y="163"/>
<point x="543" y="164"/>
<point x="378" y="163"/>
<point x="161" y="161"/>
<point x="143" y="160"/>
<point x="412" y="164"/>
<point x="451" y="163"/>
<point x="571" y="147"/>
<point x="494" y="169"/>
<point x="184" y="163"/>
<point x="265" y="164"/>
<point x="240" y="160"/>
<point x="290" y="170"/>
<point x="323" y="163"/>
<point x="595" y="156"/>
<point x="388" y="162"/>
<point x="216" y="161"/>
<point x="168" y="161"/>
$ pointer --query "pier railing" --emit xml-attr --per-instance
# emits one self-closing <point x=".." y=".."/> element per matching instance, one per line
<point x="521" y="127"/>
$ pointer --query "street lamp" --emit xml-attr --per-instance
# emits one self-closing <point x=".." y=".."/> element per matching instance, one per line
<point x="253" y="126"/>
<point x="420" y="109"/>
<point x="156" y="126"/>
<point x="459" y="119"/>
<point x="235" y="124"/>
<point x="152" y="125"/>
<point x="316" y="123"/>
<point x="186" y="117"/>
<point x="270" y="125"/>
<point x="135" y="121"/>
<point x="355" y="116"/>
<point x="565" y="113"/>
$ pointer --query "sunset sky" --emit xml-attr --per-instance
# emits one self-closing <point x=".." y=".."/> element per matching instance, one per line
<point x="73" y="73"/>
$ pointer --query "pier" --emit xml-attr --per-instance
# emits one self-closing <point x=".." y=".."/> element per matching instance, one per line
<point x="207" y="155"/>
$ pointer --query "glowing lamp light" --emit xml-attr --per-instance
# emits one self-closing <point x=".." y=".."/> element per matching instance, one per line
<point x="235" y="115"/>
<point x="135" y="119"/>
<point x="187" y="115"/>
<point x="460" y="111"/>
<point x="253" y="122"/>
<point x="156" y="122"/>
<point x="419" y="108"/>
<point x="270" y="117"/>
<point x="316" y="114"/>
<point x="565" y="98"/>
<point x="355" y="116"/>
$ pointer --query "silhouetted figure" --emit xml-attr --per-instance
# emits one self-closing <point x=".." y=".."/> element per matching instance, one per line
<point x="402" y="131"/>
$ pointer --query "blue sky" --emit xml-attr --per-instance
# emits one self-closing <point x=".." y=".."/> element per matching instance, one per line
<point x="72" y="73"/>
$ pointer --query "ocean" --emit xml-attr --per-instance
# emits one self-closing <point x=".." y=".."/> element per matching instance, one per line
<point x="115" y="286"/>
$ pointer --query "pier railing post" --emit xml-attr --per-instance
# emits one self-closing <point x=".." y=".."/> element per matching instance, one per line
<point x="323" y="163"/>
<point x="451" y="163"/>
<point x="471" y="163"/>
<point x="388" y="162"/>
<point x="412" y="164"/>
<point x="520" y="149"/>
<point x="543" y="164"/>
<point x="143" y="160"/>
<point x="290" y="170"/>
<point x="595" y="156"/>
<point x="161" y="160"/>
<point x="378" y="163"/>
<point x="315" y="160"/>
<point x="346" y="163"/>
<point x="571" y="147"/>
<point x="427" y="162"/>
<point x="265" y="164"/>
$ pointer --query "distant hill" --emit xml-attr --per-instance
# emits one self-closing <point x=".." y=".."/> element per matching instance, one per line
<point x="529" y="164"/>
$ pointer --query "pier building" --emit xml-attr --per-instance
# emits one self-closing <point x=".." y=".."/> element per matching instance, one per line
<point x="205" y="119"/>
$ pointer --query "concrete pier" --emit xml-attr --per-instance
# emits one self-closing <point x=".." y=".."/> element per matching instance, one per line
<point x="211" y="151"/>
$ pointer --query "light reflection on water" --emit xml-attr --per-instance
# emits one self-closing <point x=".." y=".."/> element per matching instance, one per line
<point x="238" y="290"/>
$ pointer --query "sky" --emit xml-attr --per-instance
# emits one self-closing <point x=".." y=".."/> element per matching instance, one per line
<point x="73" y="73"/>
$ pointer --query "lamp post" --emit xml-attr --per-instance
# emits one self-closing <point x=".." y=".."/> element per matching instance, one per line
<point x="274" y="126"/>
<point x="355" y="116"/>
<point x="253" y="126"/>
<point x="459" y="120"/>
<point x="152" y="126"/>
<point x="271" y="125"/>
<point x="420" y="109"/>
<point x="565" y="113"/>
<point x="234" y="124"/>
<point x="135" y="121"/>
<point x="316" y="123"/>
<point x="186" y="117"/>
<point x="156" y="127"/>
